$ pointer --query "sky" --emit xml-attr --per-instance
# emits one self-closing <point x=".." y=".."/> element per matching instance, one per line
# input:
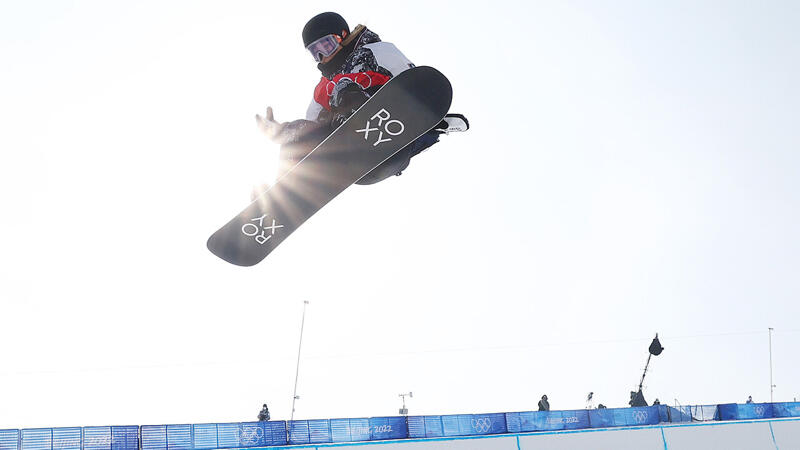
<point x="632" y="168"/>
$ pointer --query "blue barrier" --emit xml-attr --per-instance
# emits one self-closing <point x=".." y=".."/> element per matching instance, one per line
<point x="674" y="414"/>
<point x="212" y="436"/>
<point x="262" y="434"/>
<point x="350" y="430"/>
<point x="122" y="438"/>
<point x="617" y="417"/>
<point x="382" y="428"/>
<point x="309" y="431"/>
<point x="179" y="437"/>
<point x="788" y="409"/>
<point x="732" y="411"/>
<point x="9" y="439"/>
<point x="473" y="424"/>
<point x="547" y="420"/>
<point x="71" y="438"/>
<point x="205" y="436"/>
<point x="456" y="425"/>
<point x="702" y="413"/>
<point x="154" y="437"/>
<point x="66" y="438"/>
<point x="36" y="439"/>
<point x="417" y="427"/>
<point x="228" y="435"/>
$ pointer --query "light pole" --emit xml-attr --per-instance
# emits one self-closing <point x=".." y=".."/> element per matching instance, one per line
<point x="771" y="386"/>
<point x="404" y="410"/>
<point x="297" y="371"/>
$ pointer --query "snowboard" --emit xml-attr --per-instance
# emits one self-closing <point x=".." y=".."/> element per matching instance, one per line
<point x="404" y="109"/>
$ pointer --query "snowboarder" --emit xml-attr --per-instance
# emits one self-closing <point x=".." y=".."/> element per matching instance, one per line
<point x="354" y="65"/>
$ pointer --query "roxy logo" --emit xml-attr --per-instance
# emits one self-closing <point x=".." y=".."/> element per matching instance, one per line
<point x="384" y="128"/>
<point x="261" y="232"/>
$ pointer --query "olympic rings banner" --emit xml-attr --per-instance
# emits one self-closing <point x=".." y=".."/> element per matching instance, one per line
<point x="261" y="434"/>
<point x="456" y="425"/>
<point x="732" y="411"/>
<point x="213" y="435"/>
<point x="617" y="417"/>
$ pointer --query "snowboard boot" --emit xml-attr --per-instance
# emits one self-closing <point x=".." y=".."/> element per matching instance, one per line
<point x="452" y="123"/>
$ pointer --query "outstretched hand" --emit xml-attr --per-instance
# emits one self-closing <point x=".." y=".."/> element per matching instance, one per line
<point x="268" y="125"/>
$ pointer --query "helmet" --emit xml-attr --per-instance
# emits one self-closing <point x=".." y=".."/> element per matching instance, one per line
<point x="323" y="25"/>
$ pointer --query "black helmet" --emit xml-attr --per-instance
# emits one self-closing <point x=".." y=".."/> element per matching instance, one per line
<point x="323" y="25"/>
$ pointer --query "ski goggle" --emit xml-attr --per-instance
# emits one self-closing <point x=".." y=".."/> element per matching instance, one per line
<point x="324" y="47"/>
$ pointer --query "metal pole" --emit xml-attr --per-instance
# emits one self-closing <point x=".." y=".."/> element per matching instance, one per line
<point x="297" y="371"/>
<point x="771" y="386"/>
<point x="641" y="382"/>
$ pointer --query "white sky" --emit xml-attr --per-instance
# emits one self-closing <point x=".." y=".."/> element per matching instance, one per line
<point x="632" y="169"/>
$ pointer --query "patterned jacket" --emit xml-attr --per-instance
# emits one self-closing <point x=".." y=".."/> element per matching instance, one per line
<point x="366" y="61"/>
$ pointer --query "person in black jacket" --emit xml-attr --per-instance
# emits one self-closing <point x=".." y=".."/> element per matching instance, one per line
<point x="263" y="415"/>
<point x="544" y="405"/>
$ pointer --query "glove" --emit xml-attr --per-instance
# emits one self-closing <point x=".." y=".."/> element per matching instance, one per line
<point x="347" y="97"/>
<point x="268" y="125"/>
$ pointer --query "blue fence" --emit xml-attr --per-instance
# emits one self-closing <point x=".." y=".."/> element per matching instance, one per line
<point x="456" y="425"/>
<point x="75" y="438"/>
<point x="732" y="411"/>
<point x="674" y="414"/>
<point x="521" y="422"/>
<point x="786" y="409"/>
<point x="214" y="435"/>
<point x="619" y="417"/>
<point x="265" y="434"/>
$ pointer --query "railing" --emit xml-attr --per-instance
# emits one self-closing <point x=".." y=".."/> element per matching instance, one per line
<point x="265" y="434"/>
<point x="75" y="438"/>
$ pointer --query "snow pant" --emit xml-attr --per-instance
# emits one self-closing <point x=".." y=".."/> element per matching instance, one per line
<point x="292" y="153"/>
<point x="398" y="162"/>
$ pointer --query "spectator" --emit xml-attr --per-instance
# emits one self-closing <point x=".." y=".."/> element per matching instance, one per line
<point x="544" y="405"/>
<point x="749" y="399"/>
<point x="656" y="402"/>
<point x="601" y="406"/>
<point x="263" y="416"/>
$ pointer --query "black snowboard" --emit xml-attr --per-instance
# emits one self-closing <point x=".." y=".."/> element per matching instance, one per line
<point x="405" y="108"/>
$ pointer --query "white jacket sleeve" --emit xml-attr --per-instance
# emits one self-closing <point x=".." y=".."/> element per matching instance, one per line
<point x="314" y="111"/>
<point x="389" y="57"/>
